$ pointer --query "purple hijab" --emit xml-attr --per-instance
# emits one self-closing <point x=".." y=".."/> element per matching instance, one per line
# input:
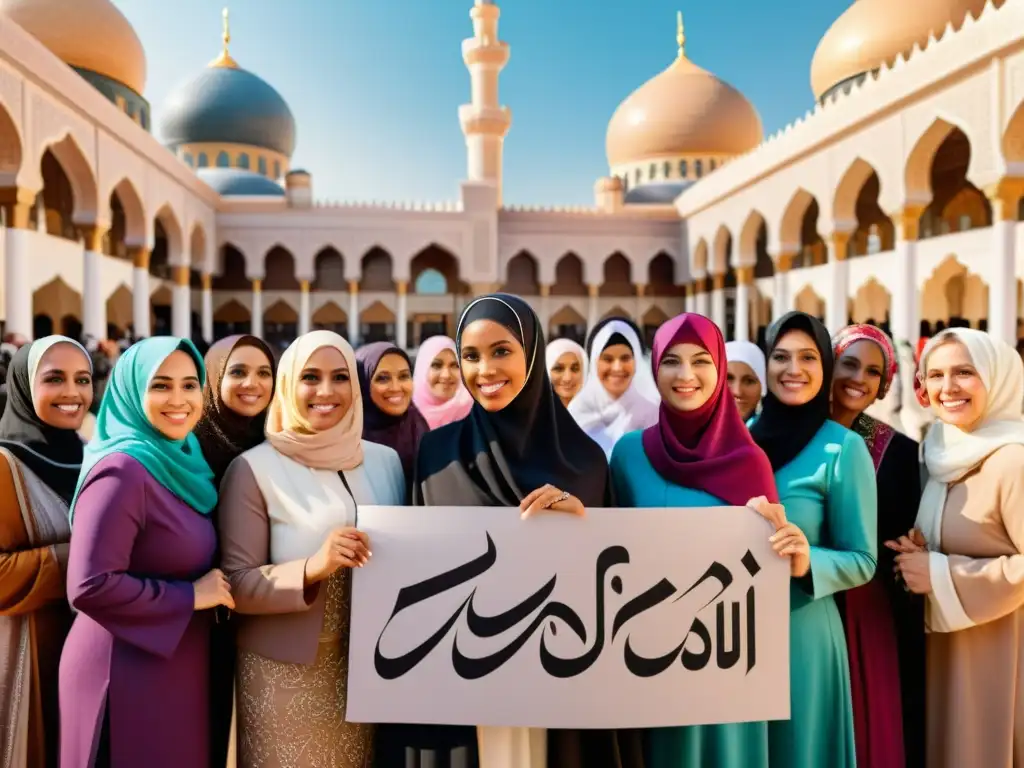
<point x="708" y="449"/>
<point x="403" y="432"/>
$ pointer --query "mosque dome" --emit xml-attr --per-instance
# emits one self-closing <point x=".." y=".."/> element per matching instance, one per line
<point x="91" y="35"/>
<point x="229" y="105"/>
<point x="872" y="32"/>
<point x="235" y="182"/>
<point x="683" y="110"/>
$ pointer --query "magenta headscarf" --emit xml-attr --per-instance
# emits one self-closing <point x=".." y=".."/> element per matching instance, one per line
<point x="436" y="411"/>
<point x="709" y="449"/>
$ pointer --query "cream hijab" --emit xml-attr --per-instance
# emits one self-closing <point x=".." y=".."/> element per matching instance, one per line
<point x="559" y="347"/>
<point x="288" y="430"/>
<point x="950" y="453"/>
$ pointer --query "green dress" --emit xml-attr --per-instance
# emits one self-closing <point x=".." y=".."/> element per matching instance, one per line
<point x="729" y="745"/>
<point x="828" y="490"/>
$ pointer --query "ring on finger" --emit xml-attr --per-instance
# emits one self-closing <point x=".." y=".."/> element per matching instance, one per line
<point x="557" y="500"/>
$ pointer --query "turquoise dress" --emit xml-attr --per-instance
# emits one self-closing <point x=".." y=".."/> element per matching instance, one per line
<point x="729" y="745"/>
<point x="828" y="490"/>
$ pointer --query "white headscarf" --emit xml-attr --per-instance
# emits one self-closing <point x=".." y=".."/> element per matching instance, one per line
<point x="604" y="418"/>
<point x="559" y="347"/>
<point x="950" y="453"/>
<point x="751" y="354"/>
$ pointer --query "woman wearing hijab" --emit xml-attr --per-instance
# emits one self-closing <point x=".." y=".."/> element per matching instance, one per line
<point x="618" y="397"/>
<point x="883" y="622"/>
<point x="567" y="366"/>
<point x="240" y="382"/>
<point x="517" y="448"/>
<point x="134" y="678"/>
<point x="826" y="482"/>
<point x="50" y="390"/>
<point x="969" y="563"/>
<point x="746" y="376"/>
<point x="438" y="391"/>
<point x="289" y="540"/>
<point x="389" y="416"/>
<point x="699" y="454"/>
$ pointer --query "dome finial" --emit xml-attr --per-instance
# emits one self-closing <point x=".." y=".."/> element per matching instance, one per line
<point x="225" y="60"/>
<point x="680" y="35"/>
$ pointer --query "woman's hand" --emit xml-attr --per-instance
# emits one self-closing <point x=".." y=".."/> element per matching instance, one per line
<point x="913" y="568"/>
<point x="549" y="497"/>
<point x="912" y="542"/>
<point x="788" y="540"/>
<point x="343" y="548"/>
<point x="212" y="590"/>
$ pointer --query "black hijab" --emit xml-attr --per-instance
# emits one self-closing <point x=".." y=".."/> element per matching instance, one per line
<point x="498" y="458"/>
<point x="224" y="434"/>
<point x="782" y="430"/>
<point x="615" y="338"/>
<point x="54" y="455"/>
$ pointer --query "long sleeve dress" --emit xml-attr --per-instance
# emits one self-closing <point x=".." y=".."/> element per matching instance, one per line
<point x="134" y="678"/>
<point x="884" y="623"/>
<point x="727" y="745"/>
<point x="975" y="672"/>
<point x="34" y="615"/>
<point x="829" y="491"/>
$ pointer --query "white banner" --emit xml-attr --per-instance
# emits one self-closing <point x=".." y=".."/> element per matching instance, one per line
<point x="627" y="618"/>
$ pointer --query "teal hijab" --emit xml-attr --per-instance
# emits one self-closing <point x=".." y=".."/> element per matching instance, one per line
<point x="122" y="427"/>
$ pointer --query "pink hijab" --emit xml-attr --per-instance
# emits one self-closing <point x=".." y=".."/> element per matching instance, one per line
<point x="435" y="410"/>
<point x="288" y="430"/>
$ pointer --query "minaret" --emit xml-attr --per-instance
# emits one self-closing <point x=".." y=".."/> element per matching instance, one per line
<point x="484" y="121"/>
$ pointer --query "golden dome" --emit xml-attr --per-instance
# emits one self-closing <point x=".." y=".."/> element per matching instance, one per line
<point x="683" y="110"/>
<point x="88" y="34"/>
<point x="875" y="31"/>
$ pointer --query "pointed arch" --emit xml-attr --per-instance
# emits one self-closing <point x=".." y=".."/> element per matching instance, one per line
<point x="871" y="303"/>
<point x="848" y="190"/>
<point x="700" y="258"/>
<point x="197" y="245"/>
<point x="232" y="275"/>
<point x="569" y="279"/>
<point x="807" y="300"/>
<point x="918" y="169"/>
<point x="953" y="294"/>
<point x="754" y="228"/>
<point x="11" y="149"/>
<point x="661" y="276"/>
<point x="167" y="220"/>
<point x="377" y="271"/>
<point x="521" y="275"/>
<point x="440" y="261"/>
<point x="80" y="175"/>
<point x="617" y="276"/>
<point x="329" y="270"/>
<point x="130" y="201"/>
<point x="617" y="311"/>
<point x="233" y="312"/>
<point x="721" y="251"/>
<point x="279" y="270"/>
<point x="1013" y="141"/>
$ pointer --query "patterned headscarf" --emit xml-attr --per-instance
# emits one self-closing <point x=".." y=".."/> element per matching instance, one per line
<point x="861" y="332"/>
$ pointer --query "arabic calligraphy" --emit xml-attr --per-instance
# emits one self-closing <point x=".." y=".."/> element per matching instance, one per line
<point x="727" y="645"/>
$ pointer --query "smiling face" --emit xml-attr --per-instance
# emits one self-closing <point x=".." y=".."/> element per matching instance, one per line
<point x="795" y="371"/>
<point x="324" y="391"/>
<point x="745" y="388"/>
<point x="858" y="377"/>
<point x="687" y="377"/>
<point x="443" y="375"/>
<point x="493" y="364"/>
<point x="956" y="392"/>
<point x="248" y="381"/>
<point x="391" y="385"/>
<point x="567" y="377"/>
<point x="174" y="399"/>
<point x="62" y="388"/>
<point x="615" y="369"/>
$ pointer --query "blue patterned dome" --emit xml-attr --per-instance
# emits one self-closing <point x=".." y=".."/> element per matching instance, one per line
<point x="229" y="182"/>
<point x="227" y="104"/>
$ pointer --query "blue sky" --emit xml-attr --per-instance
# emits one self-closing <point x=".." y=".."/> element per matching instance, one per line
<point x="375" y="86"/>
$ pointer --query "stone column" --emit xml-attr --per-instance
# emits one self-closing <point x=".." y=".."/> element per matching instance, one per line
<point x="304" y="312"/>
<point x="718" y="303"/>
<point x="15" y="209"/>
<point x="94" y="306"/>
<point x="545" y="308"/>
<point x="207" y="311"/>
<point x="181" y="302"/>
<point x="690" y="304"/>
<point x="257" y="308"/>
<point x="905" y="309"/>
<point x="744" y="279"/>
<point x="353" y="312"/>
<point x="641" y="290"/>
<point x="402" y="315"/>
<point x="593" y="308"/>
<point x="837" y="306"/>
<point x="1002" y="281"/>
<point x="781" y="300"/>
<point x="140" y="291"/>
<point x="700" y="289"/>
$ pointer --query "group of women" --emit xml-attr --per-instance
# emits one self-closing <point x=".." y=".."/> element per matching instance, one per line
<point x="175" y="592"/>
